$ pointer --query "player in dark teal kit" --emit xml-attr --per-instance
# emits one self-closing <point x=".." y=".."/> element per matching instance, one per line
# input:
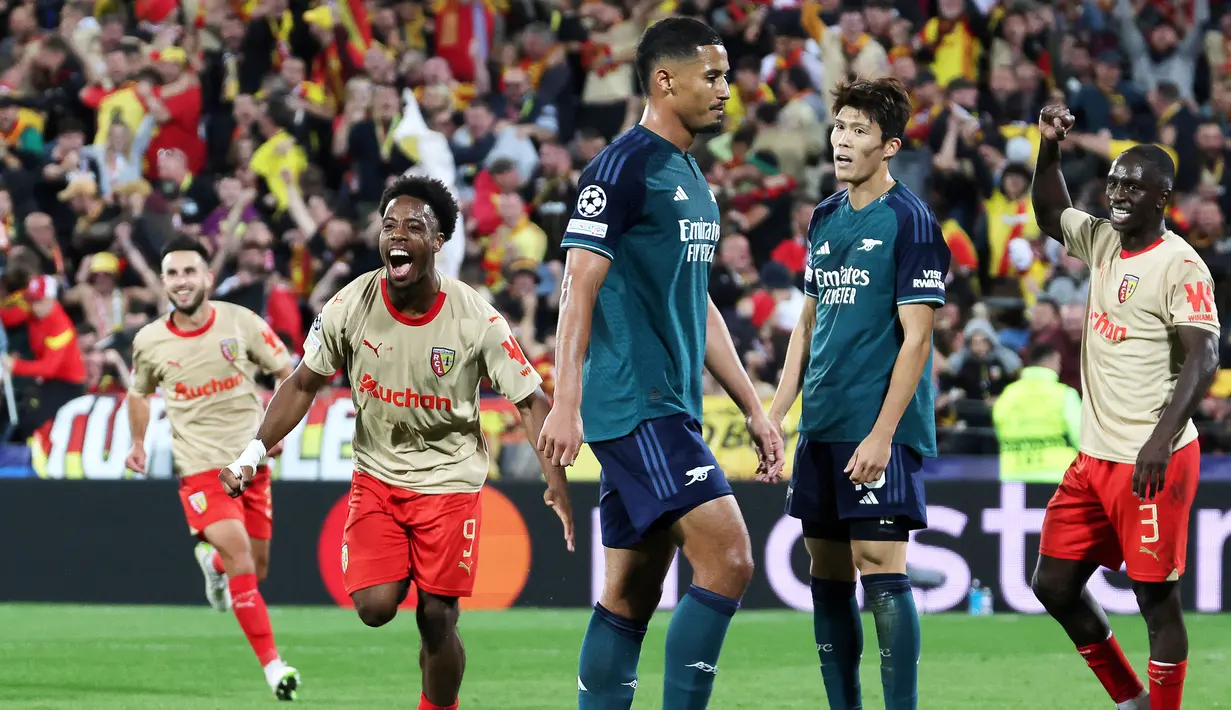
<point x="636" y="328"/>
<point x="861" y="354"/>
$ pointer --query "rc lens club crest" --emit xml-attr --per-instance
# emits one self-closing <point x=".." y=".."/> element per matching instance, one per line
<point x="229" y="348"/>
<point x="442" y="361"/>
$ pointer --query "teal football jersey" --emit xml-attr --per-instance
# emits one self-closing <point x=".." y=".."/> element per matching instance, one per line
<point x="645" y="205"/>
<point x="862" y="265"/>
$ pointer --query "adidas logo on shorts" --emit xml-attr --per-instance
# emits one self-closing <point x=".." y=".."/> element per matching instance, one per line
<point x="869" y="498"/>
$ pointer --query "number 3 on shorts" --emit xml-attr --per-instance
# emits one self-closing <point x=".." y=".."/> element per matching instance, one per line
<point x="1150" y="513"/>
<point x="469" y="527"/>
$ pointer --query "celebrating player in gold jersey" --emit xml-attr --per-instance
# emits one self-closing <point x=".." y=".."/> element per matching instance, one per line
<point x="1148" y="355"/>
<point x="204" y="356"/>
<point x="414" y="345"/>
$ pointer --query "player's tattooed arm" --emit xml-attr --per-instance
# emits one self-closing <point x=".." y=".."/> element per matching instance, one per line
<point x="1049" y="194"/>
<point x="1196" y="375"/>
<point x="584" y="273"/>
<point x="287" y="407"/>
<point x="534" y="410"/>
<point x="723" y="362"/>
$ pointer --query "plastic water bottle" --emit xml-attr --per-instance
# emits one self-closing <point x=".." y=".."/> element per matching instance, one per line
<point x="988" y="602"/>
<point x="975" y="599"/>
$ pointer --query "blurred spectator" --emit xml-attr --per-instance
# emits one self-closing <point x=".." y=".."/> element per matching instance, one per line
<point x="1046" y="329"/>
<point x="1038" y="421"/>
<point x="52" y="371"/>
<point x="982" y="369"/>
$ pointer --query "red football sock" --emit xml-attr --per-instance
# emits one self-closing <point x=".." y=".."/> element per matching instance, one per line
<point x="1166" y="684"/>
<point x="425" y="704"/>
<point x="216" y="559"/>
<point x="1112" y="669"/>
<point x="249" y="608"/>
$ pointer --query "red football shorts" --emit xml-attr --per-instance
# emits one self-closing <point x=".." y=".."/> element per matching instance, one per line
<point x="1095" y="517"/>
<point x="392" y="534"/>
<point x="206" y="501"/>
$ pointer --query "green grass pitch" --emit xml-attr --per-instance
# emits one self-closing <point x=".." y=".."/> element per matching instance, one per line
<point x="144" y="658"/>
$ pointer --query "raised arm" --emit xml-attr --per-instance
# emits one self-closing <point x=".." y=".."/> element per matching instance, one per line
<point x="1049" y="195"/>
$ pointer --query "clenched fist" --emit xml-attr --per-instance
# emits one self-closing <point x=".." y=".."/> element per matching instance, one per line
<point x="1055" y="122"/>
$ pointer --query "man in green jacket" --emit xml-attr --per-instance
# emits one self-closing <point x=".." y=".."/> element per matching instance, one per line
<point x="1037" y="421"/>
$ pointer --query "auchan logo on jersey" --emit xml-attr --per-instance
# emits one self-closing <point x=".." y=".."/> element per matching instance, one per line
<point x="1100" y="324"/>
<point x="407" y="397"/>
<point x="214" y="386"/>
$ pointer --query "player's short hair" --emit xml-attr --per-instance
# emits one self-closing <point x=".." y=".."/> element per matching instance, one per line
<point x="183" y="243"/>
<point x="672" y="39"/>
<point x="1040" y="352"/>
<point x="884" y="101"/>
<point x="431" y="191"/>
<point x="1159" y="164"/>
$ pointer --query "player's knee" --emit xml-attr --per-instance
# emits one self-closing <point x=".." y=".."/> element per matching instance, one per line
<point x="737" y="568"/>
<point x="376" y="606"/>
<point x="1159" y="602"/>
<point x="1051" y="591"/>
<point x="375" y="612"/>
<point x="436" y="617"/>
<point x="238" y="563"/>
<point x="262" y="569"/>
<point x="743" y="568"/>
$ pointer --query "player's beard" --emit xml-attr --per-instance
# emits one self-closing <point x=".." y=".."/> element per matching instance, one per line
<point x="194" y="303"/>
<point x="709" y="125"/>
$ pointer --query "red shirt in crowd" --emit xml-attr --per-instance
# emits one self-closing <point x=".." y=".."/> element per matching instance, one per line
<point x="180" y="131"/>
<point x="52" y="336"/>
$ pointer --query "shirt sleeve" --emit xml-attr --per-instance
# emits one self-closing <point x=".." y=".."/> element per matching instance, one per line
<point x="265" y="347"/>
<point x="922" y="259"/>
<point x="1190" y="295"/>
<point x="144" y="378"/>
<point x="611" y="195"/>
<point x="324" y="349"/>
<point x="1078" y="229"/>
<point x="814" y="225"/>
<point x="507" y="366"/>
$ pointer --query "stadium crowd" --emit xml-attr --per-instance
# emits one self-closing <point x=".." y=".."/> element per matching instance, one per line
<point x="268" y="129"/>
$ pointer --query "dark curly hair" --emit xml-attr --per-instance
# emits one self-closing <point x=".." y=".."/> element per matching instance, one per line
<point x="431" y="191"/>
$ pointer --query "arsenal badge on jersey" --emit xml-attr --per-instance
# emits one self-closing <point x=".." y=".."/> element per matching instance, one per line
<point x="230" y="348"/>
<point x="442" y="361"/>
<point x="1128" y="287"/>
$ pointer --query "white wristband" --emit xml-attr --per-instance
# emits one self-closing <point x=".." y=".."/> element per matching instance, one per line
<point x="251" y="457"/>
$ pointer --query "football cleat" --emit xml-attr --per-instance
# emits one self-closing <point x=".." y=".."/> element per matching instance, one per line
<point x="283" y="680"/>
<point x="217" y="591"/>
